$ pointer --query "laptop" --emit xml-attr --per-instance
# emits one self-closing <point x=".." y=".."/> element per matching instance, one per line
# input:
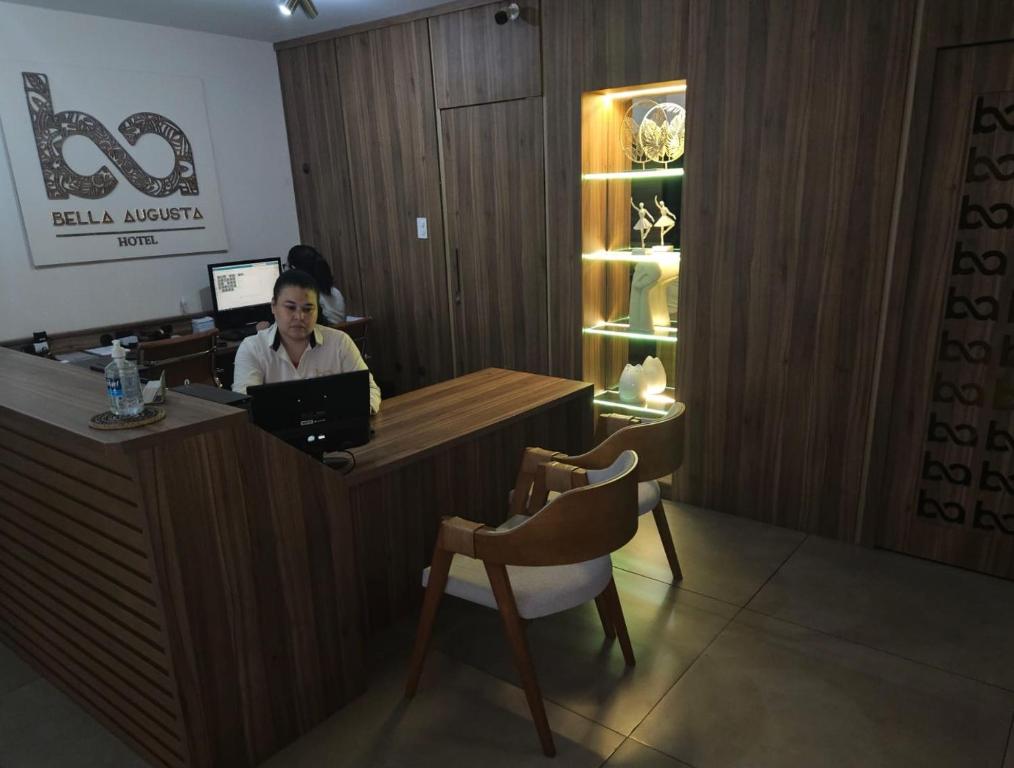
<point x="328" y="413"/>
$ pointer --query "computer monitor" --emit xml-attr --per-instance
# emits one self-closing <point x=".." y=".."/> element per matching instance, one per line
<point x="242" y="290"/>
<point x="328" y="413"/>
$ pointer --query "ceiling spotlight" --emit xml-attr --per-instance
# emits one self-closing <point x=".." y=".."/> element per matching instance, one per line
<point x="289" y="6"/>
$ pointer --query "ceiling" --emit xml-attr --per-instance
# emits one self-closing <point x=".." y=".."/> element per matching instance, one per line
<point x="253" y="19"/>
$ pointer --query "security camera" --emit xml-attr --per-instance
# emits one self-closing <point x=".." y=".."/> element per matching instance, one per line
<point x="507" y="13"/>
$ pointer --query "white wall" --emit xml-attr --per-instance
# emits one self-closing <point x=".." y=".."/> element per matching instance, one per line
<point x="251" y="156"/>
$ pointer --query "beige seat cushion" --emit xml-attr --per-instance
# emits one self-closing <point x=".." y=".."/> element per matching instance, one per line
<point x="538" y="591"/>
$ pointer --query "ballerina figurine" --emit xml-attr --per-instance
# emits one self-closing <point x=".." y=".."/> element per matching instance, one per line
<point x="643" y="225"/>
<point x="666" y="220"/>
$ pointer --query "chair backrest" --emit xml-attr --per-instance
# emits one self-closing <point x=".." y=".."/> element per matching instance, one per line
<point x="658" y="444"/>
<point x="580" y="524"/>
<point x="182" y="358"/>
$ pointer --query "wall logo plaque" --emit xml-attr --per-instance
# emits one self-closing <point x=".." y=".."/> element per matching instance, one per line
<point x="89" y="192"/>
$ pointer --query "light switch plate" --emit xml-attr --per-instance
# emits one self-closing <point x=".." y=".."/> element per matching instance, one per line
<point x="421" y="228"/>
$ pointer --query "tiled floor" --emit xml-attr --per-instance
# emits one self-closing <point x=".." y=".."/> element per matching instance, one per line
<point x="777" y="650"/>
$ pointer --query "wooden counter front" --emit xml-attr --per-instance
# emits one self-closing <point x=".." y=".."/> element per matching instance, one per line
<point x="190" y="583"/>
<point x="453" y="448"/>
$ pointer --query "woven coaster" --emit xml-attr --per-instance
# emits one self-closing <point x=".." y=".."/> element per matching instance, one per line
<point x="109" y="420"/>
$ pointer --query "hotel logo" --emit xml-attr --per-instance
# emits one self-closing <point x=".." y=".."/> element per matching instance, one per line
<point x="52" y="130"/>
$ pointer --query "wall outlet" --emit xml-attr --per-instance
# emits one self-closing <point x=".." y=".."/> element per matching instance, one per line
<point x="422" y="228"/>
<point x="184" y="306"/>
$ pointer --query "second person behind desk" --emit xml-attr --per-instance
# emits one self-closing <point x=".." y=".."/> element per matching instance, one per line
<point x="331" y="303"/>
<point x="295" y="347"/>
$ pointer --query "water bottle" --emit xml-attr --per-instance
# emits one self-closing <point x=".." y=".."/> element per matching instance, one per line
<point x="123" y="384"/>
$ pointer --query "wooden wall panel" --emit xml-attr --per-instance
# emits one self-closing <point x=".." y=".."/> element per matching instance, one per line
<point x="390" y="121"/>
<point x="588" y="45"/>
<point x="794" y="125"/>
<point x="931" y="190"/>
<point x="311" y="96"/>
<point x="476" y="60"/>
<point x="496" y="233"/>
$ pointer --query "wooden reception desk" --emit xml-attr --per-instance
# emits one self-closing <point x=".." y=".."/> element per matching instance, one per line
<point x="205" y="590"/>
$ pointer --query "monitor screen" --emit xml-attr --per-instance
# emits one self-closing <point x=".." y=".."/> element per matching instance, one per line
<point x="327" y="413"/>
<point x="240" y="284"/>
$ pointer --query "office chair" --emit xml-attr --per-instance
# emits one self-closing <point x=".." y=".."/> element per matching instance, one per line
<point x="183" y="359"/>
<point x="540" y="564"/>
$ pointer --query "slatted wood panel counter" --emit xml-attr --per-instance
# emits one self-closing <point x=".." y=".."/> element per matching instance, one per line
<point x="191" y="583"/>
<point x="450" y="449"/>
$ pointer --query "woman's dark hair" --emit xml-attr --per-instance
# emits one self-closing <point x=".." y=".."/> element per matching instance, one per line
<point x="307" y="259"/>
<point x="294" y="278"/>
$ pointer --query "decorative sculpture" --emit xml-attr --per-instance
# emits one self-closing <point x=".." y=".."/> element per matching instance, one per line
<point x="632" y="384"/>
<point x="653" y="375"/>
<point x="642" y="227"/>
<point x="666" y="220"/>
<point x="648" y="307"/>
<point x="630" y="129"/>
<point x="662" y="133"/>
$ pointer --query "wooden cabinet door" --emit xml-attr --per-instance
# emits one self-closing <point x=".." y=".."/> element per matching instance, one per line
<point x="320" y="172"/>
<point x="476" y="60"/>
<point x="496" y="219"/>
<point x="949" y="473"/>
<point x="390" y="122"/>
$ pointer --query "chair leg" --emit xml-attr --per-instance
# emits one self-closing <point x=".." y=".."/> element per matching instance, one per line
<point x="439" y="569"/>
<point x="519" y="646"/>
<point x="607" y="623"/>
<point x="670" y="549"/>
<point x="612" y="599"/>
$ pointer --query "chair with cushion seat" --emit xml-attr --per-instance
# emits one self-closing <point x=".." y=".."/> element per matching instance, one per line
<point x="539" y="564"/>
<point x="659" y="448"/>
<point x="189" y="358"/>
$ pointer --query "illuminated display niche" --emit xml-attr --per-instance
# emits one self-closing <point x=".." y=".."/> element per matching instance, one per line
<point x="632" y="152"/>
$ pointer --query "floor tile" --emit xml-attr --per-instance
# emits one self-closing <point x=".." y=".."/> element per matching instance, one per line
<point x="13" y="671"/>
<point x="40" y="727"/>
<point x="460" y="716"/>
<point x="948" y="618"/>
<point x="722" y="556"/>
<point x="577" y="667"/>
<point x="634" y="755"/>
<point x="769" y="693"/>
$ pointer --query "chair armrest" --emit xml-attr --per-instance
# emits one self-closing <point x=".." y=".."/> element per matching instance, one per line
<point x="531" y="460"/>
<point x="458" y="535"/>
<point x="560" y="477"/>
<point x="613" y="422"/>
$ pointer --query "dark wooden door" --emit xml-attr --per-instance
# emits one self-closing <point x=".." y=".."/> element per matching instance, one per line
<point x="320" y="170"/>
<point x="949" y="488"/>
<point x="496" y="220"/>
<point x="390" y="122"/>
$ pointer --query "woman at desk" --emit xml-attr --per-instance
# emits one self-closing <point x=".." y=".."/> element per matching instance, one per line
<point x="331" y="302"/>
<point x="295" y="347"/>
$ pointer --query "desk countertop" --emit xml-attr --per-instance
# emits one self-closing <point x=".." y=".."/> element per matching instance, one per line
<point x="416" y="424"/>
<point x="67" y="396"/>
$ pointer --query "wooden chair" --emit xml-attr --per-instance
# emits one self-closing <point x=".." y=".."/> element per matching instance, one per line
<point x="659" y="448"/>
<point x="182" y="358"/>
<point x="540" y="564"/>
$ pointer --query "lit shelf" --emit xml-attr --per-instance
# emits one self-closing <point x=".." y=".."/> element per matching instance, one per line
<point x="619" y="328"/>
<point x="653" y="405"/>
<point x="659" y="257"/>
<point x="656" y="173"/>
